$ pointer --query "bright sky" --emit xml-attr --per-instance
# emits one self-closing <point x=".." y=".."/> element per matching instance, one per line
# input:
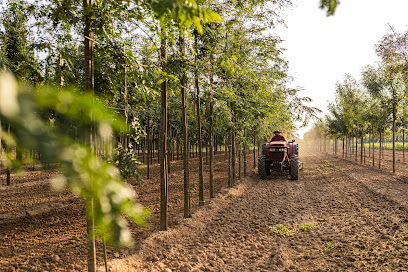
<point x="321" y="49"/>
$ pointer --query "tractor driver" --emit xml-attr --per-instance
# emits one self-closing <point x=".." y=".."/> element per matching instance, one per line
<point x="277" y="136"/>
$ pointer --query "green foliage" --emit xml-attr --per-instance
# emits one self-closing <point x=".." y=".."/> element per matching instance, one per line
<point x="16" y="48"/>
<point x="126" y="161"/>
<point x="329" y="5"/>
<point x="186" y="12"/>
<point x="281" y="229"/>
<point x="106" y="196"/>
<point x="305" y="227"/>
<point x="388" y="146"/>
<point x="329" y="246"/>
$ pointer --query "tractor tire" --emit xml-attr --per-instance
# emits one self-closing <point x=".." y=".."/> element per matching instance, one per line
<point x="294" y="168"/>
<point x="261" y="167"/>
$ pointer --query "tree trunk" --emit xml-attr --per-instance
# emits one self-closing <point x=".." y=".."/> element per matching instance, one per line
<point x="394" y="118"/>
<point x="8" y="176"/>
<point x="8" y="170"/>
<point x="89" y="87"/>
<point x="356" y="146"/>
<point x="225" y="148"/>
<point x="361" y="146"/>
<point x="245" y="154"/>
<point x="347" y="146"/>
<point x="211" y="135"/>
<point x="148" y="146"/>
<point x="254" y="146"/>
<point x="168" y="149"/>
<point x="153" y="143"/>
<point x="380" y="151"/>
<point x="229" y="163"/>
<point x="239" y="161"/>
<point x="144" y="151"/>
<point x="206" y="150"/>
<point x="200" y="151"/>
<point x="163" y="141"/>
<point x="373" y="145"/>
<point x="177" y="148"/>
<point x="369" y="145"/>
<point x="233" y="148"/>
<point x="403" y="145"/>
<point x="126" y="136"/>
<point x="183" y="82"/>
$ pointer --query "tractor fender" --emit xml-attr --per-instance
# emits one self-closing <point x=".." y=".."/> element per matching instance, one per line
<point x="264" y="147"/>
<point x="293" y="150"/>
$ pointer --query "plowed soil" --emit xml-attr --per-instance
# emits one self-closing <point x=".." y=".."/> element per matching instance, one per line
<point x="339" y="216"/>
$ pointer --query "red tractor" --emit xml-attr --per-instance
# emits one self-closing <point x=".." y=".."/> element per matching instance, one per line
<point x="281" y="157"/>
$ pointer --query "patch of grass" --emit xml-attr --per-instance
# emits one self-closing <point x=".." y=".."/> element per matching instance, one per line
<point x="305" y="227"/>
<point x="386" y="146"/>
<point x="281" y="229"/>
<point x="329" y="246"/>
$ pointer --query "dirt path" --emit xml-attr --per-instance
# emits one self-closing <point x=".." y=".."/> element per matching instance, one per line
<point x="357" y="214"/>
<point x="358" y="217"/>
<point x="43" y="230"/>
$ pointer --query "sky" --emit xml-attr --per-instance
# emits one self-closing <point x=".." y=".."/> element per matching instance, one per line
<point x="321" y="50"/>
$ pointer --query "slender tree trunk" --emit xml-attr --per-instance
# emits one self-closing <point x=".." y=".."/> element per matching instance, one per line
<point x="8" y="176"/>
<point x="148" y="146"/>
<point x="177" y="148"/>
<point x="144" y="151"/>
<point x="403" y="144"/>
<point x="394" y="118"/>
<point x="225" y="148"/>
<point x="380" y="151"/>
<point x="343" y="148"/>
<point x="369" y="145"/>
<point x="211" y="135"/>
<point x="153" y="143"/>
<point x="89" y="87"/>
<point x="356" y="145"/>
<point x="168" y="150"/>
<point x="254" y="146"/>
<point x="8" y="169"/>
<point x="233" y="148"/>
<point x="125" y="142"/>
<point x="361" y="146"/>
<point x="239" y="161"/>
<point x="364" y="149"/>
<point x="183" y="81"/>
<point x="163" y="141"/>
<point x="200" y="151"/>
<point x="229" y="162"/>
<point x="245" y="154"/>
<point x="383" y="143"/>
<point x="373" y="145"/>
<point x="206" y="150"/>
<point x="347" y="146"/>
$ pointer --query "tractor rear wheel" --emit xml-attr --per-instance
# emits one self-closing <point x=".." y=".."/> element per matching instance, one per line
<point x="261" y="167"/>
<point x="294" y="168"/>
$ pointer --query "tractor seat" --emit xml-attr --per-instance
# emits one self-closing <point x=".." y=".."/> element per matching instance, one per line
<point x="277" y="143"/>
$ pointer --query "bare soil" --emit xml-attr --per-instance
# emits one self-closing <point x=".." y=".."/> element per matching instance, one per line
<point x="357" y="214"/>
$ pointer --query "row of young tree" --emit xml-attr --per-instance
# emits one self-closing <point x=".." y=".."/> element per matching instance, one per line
<point x="366" y="110"/>
<point x="181" y="71"/>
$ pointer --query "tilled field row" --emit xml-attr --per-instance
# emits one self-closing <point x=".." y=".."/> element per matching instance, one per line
<point x="339" y="216"/>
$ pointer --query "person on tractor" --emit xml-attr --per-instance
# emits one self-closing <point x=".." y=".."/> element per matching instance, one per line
<point x="277" y="136"/>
